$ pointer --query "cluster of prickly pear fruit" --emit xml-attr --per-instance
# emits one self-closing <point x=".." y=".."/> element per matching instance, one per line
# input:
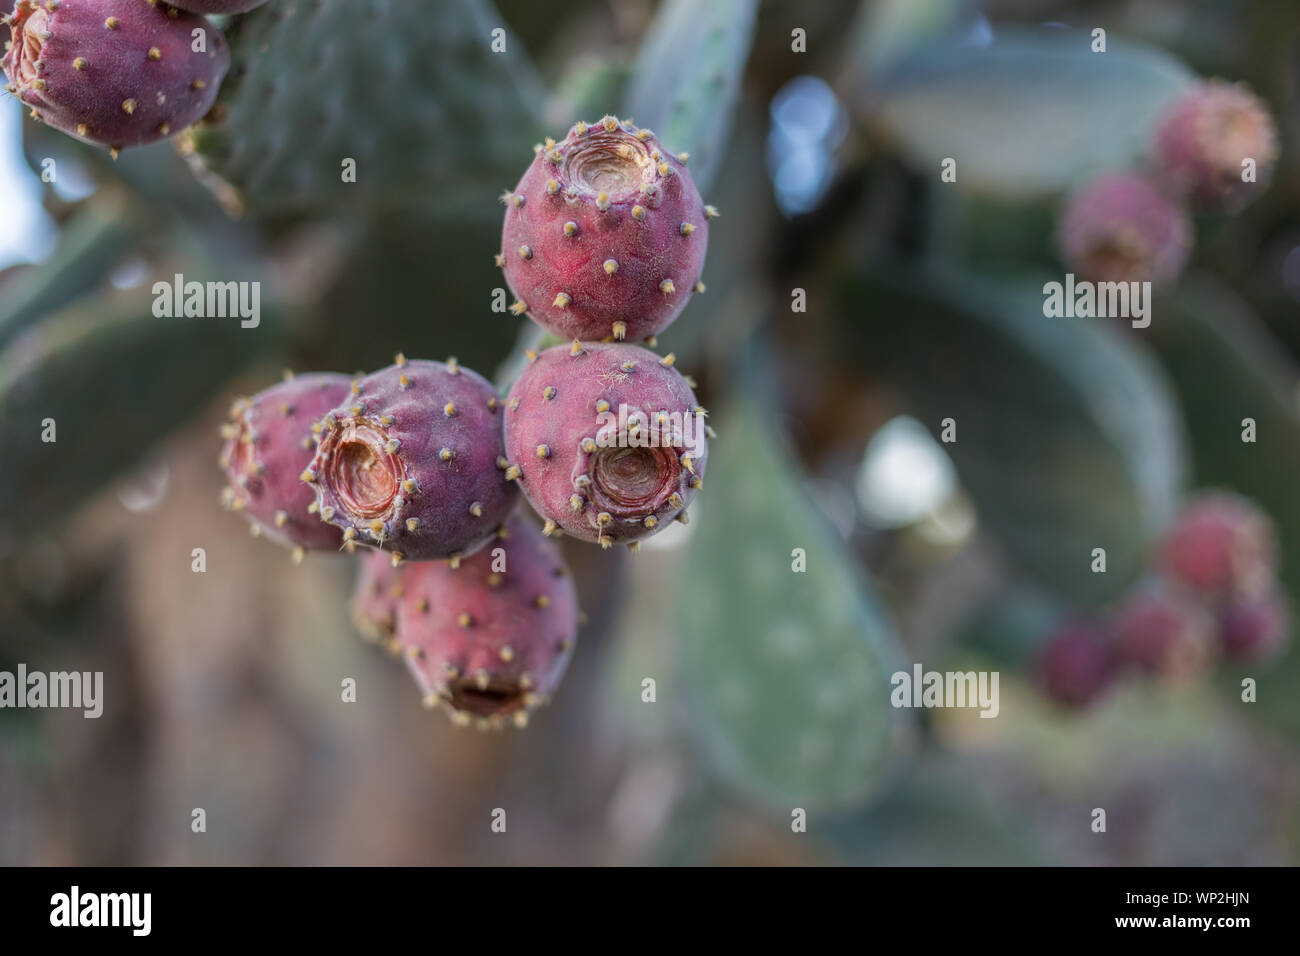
<point x="603" y="241"/>
<point x="117" y="73"/>
<point x="1210" y="149"/>
<point x="422" y="461"/>
<point x="1215" y="597"/>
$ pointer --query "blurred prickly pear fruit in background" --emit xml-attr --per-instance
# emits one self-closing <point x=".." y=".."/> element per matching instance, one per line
<point x="1076" y="664"/>
<point x="1121" y="228"/>
<point x="206" y="7"/>
<point x="489" y="637"/>
<point x="1221" y="545"/>
<point x="607" y="441"/>
<point x="605" y="235"/>
<point x="1205" y="138"/>
<point x="411" y="461"/>
<point x="116" y="73"/>
<point x="1166" y="634"/>
<point x="1255" y="629"/>
<point x="376" y="596"/>
<point x="270" y="440"/>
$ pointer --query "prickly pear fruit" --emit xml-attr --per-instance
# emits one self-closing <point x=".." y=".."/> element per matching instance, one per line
<point x="605" y="235"/>
<point x="1162" y="633"/>
<point x="1120" y="228"/>
<point x="116" y="73"/>
<point x="1205" y="140"/>
<point x="1076" y="664"/>
<point x="376" y="596"/>
<point x="1220" y="545"/>
<point x="412" y="462"/>
<point x="606" y="440"/>
<point x="270" y="441"/>
<point x="1255" y="629"/>
<point x="207" y="7"/>
<point x="488" y="638"/>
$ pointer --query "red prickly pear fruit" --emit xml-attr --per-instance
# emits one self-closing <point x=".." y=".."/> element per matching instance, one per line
<point x="1256" y="629"/>
<point x="1221" y="545"/>
<point x="376" y="596"/>
<point x="488" y="638"/>
<point x="1203" y="143"/>
<point x="1164" y="634"/>
<point x="1120" y="228"/>
<point x="411" y="463"/>
<point x="605" y="235"/>
<point x="116" y="73"/>
<point x="606" y="440"/>
<point x="269" y="441"/>
<point x="208" y="7"/>
<point x="1076" y="664"/>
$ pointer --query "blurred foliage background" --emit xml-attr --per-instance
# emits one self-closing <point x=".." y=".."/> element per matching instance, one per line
<point x="817" y="130"/>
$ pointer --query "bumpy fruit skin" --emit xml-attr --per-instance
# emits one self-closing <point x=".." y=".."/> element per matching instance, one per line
<point x="1255" y="629"/>
<point x="605" y="235"/>
<point x="206" y="7"/>
<point x="412" y="462"/>
<point x="116" y="73"/>
<point x="376" y="596"/>
<point x="488" y="640"/>
<point x="270" y="440"/>
<point x="570" y="431"/>
<point x="1163" y="633"/>
<point x="1121" y="228"/>
<point x="1221" y="545"/>
<point x="1076" y="665"/>
<point x="1205" y="136"/>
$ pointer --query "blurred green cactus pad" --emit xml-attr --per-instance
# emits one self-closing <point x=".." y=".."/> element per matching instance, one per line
<point x="377" y="104"/>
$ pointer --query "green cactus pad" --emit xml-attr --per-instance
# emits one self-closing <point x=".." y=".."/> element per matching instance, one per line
<point x="412" y="92"/>
<point x="788" y="673"/>
<point x="115" y="379"/>
<point x="687" y="78"/>
<point x="1068" y="437"/>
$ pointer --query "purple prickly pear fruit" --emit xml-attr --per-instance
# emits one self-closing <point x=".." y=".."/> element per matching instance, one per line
<point x="376" y="596"/>
<point x="1164" y="634"/>
<point x="270" y="440"/>
<point x="1218" y="143"/>
<point x="413" y="462"/>
<point x="1120" y="228"/>
<point x="607" y="441"/>
<point x="1076" y="664"/>
<point x="605" y="235"/>
<point x="207" y="7"/>
<point x="1221" y="545"/>
<point x="488" y="638"/>
<point x="1255" y="629"/>
<point x="116" y="73"/>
